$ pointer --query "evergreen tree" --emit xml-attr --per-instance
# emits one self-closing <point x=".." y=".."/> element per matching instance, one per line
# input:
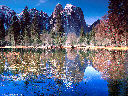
<point x="35" y="31"/>
<point x="82" y="32"/>
<point x="10" y="35"/>
<point x="25" y="24"/>
<point x="88" y="38"/>
<point x="59" y="25"/>
<point x="2" y="29"/>
<point x="92" y="36"/>
<point x="59" y="29"/>
<point x="16" y="29"/>
<point x="82" y="35"/>
<point x="26" y="39"/>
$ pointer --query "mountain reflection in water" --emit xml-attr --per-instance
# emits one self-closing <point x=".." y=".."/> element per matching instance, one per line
<point x="64" y="72"/>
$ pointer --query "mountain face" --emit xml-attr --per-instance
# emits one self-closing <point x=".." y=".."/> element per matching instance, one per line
<point x="56" y="19"/>
<point x="93" y="25"/>
<point x="71" y="17"/>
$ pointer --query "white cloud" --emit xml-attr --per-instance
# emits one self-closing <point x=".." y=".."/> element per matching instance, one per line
<point x="40" y="2"/>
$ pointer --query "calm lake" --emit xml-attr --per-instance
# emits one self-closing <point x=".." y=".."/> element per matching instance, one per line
<point x="63" y="72"/>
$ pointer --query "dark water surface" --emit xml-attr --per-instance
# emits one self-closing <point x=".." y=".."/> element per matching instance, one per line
<point x="63" y="72"/>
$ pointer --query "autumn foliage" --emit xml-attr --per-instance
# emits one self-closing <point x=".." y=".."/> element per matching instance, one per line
<point x="112" y="30"/>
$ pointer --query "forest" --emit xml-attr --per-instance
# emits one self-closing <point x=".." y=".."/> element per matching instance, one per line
<point x="112" y="29"/>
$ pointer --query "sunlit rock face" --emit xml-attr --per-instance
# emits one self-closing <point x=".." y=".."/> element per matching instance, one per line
<point x="56" y="19"/>
<point x="58" y="9"/>
<point x="73" y="19"/>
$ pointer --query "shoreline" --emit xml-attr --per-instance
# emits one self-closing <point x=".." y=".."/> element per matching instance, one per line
<point x="66" y="47"/>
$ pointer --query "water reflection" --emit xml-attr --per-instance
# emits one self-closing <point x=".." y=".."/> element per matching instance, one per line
<point x="113" y="64"/>
<point x="63" y="72"/>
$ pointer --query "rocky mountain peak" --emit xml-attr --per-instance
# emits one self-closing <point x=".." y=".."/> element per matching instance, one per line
<point x="71" y="18"/>
<point x="58" y="4"/>
<point x="74" y="19"/>
<point x="58" y="9"/>
<point x="69" y="8"/>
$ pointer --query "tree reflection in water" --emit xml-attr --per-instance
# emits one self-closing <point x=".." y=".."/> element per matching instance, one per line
<point x="112" y="64"/>
<point x="64" y="67"/>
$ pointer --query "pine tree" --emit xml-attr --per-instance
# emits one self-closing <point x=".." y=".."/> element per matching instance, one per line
<point x="60" y="29"/>
<point x="59" y="24"/>
<point x="2" y="29"/>
<point x="82" y="35"/>
<point x="25" y="24"/>
<point x="88" y="38"/>
<point x="16" y="29"/>
<point x="35" y="31"/>
<point x="10" y="35"/>
<point x="26" y="39"/>
<point x="82" y="31"/>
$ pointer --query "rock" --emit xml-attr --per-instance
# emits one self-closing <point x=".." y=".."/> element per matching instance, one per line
<point x="73" y="19"/>
<point x="56" y="19"/>
<point x="93" y="25"/>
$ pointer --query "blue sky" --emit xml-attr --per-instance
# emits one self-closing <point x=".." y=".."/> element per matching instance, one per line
<point x="92" y="9"/>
